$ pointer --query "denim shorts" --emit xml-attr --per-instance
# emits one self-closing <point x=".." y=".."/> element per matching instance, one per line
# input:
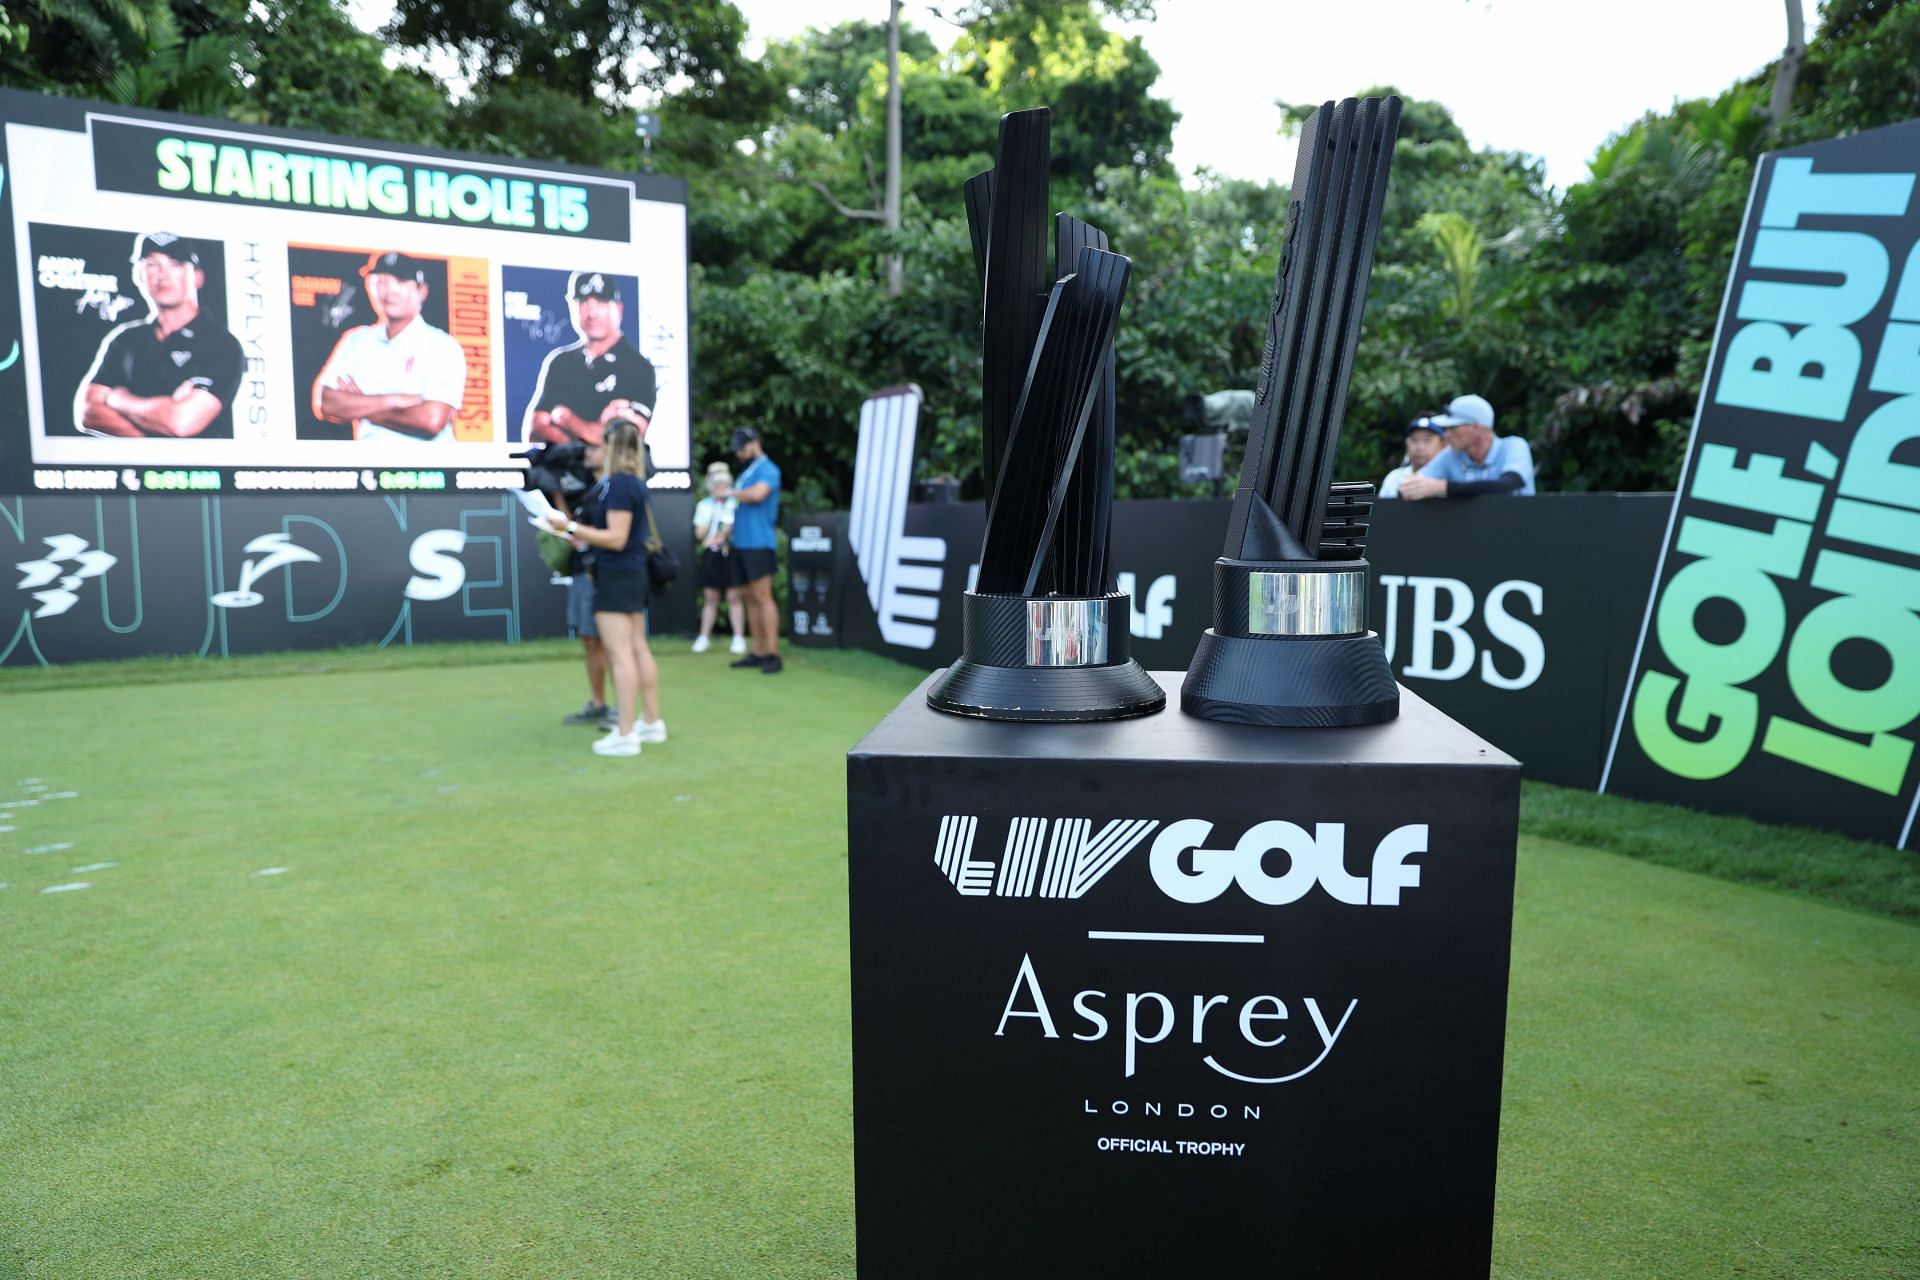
<point x="580" y="604"/>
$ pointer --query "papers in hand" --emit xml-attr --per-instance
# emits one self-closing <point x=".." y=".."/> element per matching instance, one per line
<point x="540" y="512"/>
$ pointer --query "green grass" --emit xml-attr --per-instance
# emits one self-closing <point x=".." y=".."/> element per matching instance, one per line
<point x="1819" y="864"/>
<point x="514" y="1010"/>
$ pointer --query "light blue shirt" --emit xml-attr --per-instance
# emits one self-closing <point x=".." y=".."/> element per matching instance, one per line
<point x="1509" y="453"/>
<point x="754" y="522"/>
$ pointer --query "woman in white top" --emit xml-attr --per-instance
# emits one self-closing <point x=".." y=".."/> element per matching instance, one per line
<point x="713" y="530"/>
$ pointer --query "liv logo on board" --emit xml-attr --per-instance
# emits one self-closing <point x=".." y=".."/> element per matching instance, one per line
<point x="902" y="574"/>
<point x="1065" y="857"/>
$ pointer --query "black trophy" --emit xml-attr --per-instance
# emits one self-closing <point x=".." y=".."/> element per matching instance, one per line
<point x="1289" y="643"/>
<point x="1045" y="633"/>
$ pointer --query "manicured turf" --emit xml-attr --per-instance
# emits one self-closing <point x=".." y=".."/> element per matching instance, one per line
<point x="515" y="1010"/>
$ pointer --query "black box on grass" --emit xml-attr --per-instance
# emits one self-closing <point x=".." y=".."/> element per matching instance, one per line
<point x="1166" y="997"/>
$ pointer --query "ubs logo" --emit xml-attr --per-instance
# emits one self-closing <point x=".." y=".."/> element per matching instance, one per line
<point x="1432" y="621"/>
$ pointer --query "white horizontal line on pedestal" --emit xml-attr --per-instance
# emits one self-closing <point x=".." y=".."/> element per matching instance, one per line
<point x="1120" y="935"/>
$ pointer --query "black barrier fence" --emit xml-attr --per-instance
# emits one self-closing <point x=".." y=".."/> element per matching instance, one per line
<point x="1515" y="616"/>
<point x="125" y="577"/>
<point x="1518" y="617"/>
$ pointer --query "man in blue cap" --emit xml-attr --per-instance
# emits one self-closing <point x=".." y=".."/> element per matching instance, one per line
<point x="1476" y="461"/>
<point x="1426" y="439"/>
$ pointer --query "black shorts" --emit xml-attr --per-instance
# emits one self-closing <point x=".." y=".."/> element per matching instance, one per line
<point x="620" y="590"/>
<point x="716" y="569"/>
<point x="750" y="564"/>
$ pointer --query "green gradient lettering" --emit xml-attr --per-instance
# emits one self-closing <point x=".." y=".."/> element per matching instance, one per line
<point x="1736" y="710"/>
<point x="172" y="155"/>
<point x="1809" y="374"/>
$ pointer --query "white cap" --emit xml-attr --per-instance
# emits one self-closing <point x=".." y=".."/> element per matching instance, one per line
<point x="1464" y="409"/>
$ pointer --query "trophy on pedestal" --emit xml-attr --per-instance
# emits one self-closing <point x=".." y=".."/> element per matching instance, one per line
<point x="1045" y="633"/>
<point x="1289" y="643"/>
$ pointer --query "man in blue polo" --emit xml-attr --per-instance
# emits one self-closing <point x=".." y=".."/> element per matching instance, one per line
<point x="1476" y="461"/>
<point x="753" y="560"/>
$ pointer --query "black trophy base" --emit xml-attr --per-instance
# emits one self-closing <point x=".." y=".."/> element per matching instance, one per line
<point x="1046" y="694"/>
<point x="1046" y="659"/>
<point x="1297" y="682"/>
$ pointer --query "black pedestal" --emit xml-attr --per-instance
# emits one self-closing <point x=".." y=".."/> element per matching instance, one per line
<point x="1167" y="997"/>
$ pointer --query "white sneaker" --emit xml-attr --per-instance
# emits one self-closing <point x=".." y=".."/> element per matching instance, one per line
<point x="739" y="645"/>
<point x="701" y="644"/>
<point x="617" y="743"/>
<point x="650" y="731"/>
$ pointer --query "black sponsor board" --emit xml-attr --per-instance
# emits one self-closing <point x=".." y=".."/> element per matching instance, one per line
<point x="1778" y="665"/>
<point x="1516" y="616"/>
<point x="1167" y="997"/>
<point x="819" y="573"/>
<point x="102" y="578"/>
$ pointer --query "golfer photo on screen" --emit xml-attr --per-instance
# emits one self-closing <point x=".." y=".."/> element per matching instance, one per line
<point x="399" y="378"/>
<point x="172" y="374"/>
<point x="585" y="386"/>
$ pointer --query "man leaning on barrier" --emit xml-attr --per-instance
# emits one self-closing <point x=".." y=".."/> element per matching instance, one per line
<point x="1426" y="440"/>
<point x="1476" y="462"/>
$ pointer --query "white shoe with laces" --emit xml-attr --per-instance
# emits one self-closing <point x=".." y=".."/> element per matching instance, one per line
<point x="702" y="643"/>
<point x="650" y="731"/>
<point x="617" y="743"/>
<point x="739" y="645"/>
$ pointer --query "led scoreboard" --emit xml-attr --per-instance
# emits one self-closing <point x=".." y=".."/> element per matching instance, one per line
<point x="195" y="306"/>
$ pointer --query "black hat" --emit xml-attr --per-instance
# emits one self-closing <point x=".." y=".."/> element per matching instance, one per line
<point x="591" y="284"/>
<point x="396" y="264"/>
<point x="167" y="245"/>
<point x="1434" y="422"/>
<point x="741" y="438"/>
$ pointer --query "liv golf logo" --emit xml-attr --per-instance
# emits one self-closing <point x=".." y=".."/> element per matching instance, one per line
<point x="1258" y="1039"/>
<point x="1065" y="857"/>
<point x="902" y="574"/>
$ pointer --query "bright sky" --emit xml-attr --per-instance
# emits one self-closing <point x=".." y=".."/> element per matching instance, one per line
<point x="1549" y="77"/>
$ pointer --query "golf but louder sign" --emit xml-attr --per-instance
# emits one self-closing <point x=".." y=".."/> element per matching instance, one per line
<point x="1778" y="671"/>
<point x="1166" y="997"/>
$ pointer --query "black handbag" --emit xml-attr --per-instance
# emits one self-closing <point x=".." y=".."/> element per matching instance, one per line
<point x="662" y="565"/>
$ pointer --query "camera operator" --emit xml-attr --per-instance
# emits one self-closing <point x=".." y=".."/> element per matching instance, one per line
<point x="566" y="473"/>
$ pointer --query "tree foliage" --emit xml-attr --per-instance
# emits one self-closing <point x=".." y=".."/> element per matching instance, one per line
<point x="1584" y="315"/>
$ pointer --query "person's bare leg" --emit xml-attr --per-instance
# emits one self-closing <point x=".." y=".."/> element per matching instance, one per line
<point x="616" y="634"/>
<point x="645" y="668"/>
<point x="736" y="611"/>
<point x="764" y="617"/>
<point x="709" y="611"/>
<point x="596" y="669"/>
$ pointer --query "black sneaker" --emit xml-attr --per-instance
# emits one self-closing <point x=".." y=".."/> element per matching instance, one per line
<point x="770" y="665"/>
<point x="592" y="713"/>
<point x="751" y="660"/>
